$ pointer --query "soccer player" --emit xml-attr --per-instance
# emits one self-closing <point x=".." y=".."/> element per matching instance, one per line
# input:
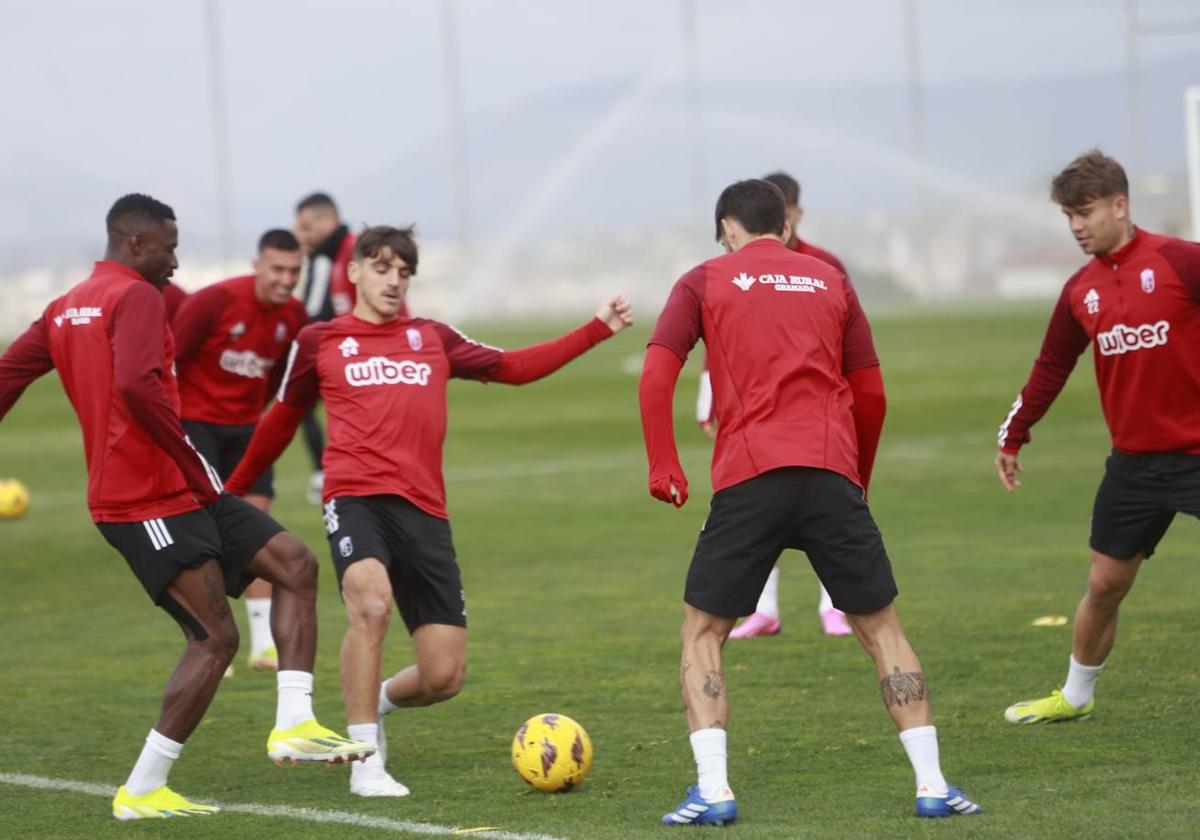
<point x="869" y="409"/>
<point x="159" y="503"/>
<point x="173" y="298"/>
<point x="327" y="292"/>
<point x="786" y="474"/>
<point x="1137" y="301"/>
<point x="383" y="378"/>
<point x="231" y="342"/>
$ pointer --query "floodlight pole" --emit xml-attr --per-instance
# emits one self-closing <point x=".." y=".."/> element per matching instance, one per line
<point x="916" y="97"/>
<point x="218" y="103"/>
<point x="1191" y="101"/>
<point x="454" y="111"/>
<point x="695" y="109"/>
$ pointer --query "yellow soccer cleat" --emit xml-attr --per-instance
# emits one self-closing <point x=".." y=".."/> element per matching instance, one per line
<point x="310" y="741"/>
<point x="266" y="659"/>
<point x="1052" y="709"/>
<point x="157" y="804"/>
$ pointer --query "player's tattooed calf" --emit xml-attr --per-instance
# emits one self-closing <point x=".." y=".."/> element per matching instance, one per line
<point x="714" y="684"/>
<point x="902" y="687"/>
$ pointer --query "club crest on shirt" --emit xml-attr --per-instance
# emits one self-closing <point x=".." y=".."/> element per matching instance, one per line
<point x="349" y="348"/>
<point x="280" y="331"/>
<point x="414" y="338"/>
<point x="237" y="330"/>
<point x="1092" y="301"/>
<point x="1147" y="280"/>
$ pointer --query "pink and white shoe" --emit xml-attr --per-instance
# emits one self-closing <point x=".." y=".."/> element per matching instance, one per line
<point x="759" y="624"/>
<point x="833" y="622"/>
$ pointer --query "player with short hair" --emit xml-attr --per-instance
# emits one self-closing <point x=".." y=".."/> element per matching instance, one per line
<point x="383" y="378"/>
<point x="870" y="406"/>
<point x="327" y="292"/>
<point x="1137" y="302"/>
<point x="231" y="343"/>
<point x="785" y="474"/>
<point x="159" y="503"/>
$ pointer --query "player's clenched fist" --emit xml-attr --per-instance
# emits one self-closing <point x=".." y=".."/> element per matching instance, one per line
<point x="616" y="313"/>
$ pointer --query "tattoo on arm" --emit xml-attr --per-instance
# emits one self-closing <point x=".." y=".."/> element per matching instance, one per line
<point x="714" y="684"/>
<point x="902" y="687"/>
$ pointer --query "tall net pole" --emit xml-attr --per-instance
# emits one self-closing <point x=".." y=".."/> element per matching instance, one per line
<point x="218" y="105"/>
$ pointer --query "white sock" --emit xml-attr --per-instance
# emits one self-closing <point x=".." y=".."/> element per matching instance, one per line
<point x="368" y="732"/>
<point x="386" y="706"/>
<point x="258" y="611"/>
<point x="922" y="747"/>
<point x="1081" y="683"/>
<point x="708" y="746"/>
<point x="826" y="603"/>
<point x="150" y="772"/>
<point x="768" y="601"/>
<point x="295" y="698"/>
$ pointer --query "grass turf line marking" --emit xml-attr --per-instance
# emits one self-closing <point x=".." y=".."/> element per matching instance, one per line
<point x="283" y="811"/>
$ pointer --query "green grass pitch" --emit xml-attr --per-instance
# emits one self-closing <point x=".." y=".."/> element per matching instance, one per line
<point x="574" y="578"/>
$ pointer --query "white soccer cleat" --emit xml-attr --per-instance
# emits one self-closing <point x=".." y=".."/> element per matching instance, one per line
<point x="373" y="780"/>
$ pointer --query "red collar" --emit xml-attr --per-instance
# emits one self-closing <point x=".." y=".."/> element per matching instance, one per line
<point x="1122" y="254"/>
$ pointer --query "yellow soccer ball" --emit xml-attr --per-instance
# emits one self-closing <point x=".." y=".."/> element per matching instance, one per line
<point x="14" y="499"/>
<point x="552" y="753"/>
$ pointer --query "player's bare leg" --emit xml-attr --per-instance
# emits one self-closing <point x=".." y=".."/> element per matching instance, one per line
<point x="438" y="674"/>
<point x="263" y="655"/>
<point x="706" y="707"/>
<point x="212" y="642"/>
<point x="906" y="696"/>
<point x="367" y="593"/>
<point x="901" y="679"/>
<point x="1109" y="582"/>
<point x="292" y="570"/>
<point x="195" y="598"/>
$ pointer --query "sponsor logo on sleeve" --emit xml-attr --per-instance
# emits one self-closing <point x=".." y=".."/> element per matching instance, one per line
<point x="78" y="315"/>
<point x="349" y="348"/>
<point x="1147" y="280"/>
<point x="781" y="282"/>
<point x="380" y="370"/>
<point x="1122" y="339"/>
<point x="1092" y="301"/>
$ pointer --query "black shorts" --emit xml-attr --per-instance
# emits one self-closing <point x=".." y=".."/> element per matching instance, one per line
<point x="413" y="546"/>
<point x="230" y="531"/>
<point x="223" y="447"/>
<point x="1138" y="499"/>
<point x="817" y="511"/>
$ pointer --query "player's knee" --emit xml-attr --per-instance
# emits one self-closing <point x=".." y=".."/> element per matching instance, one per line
<point x="301" y="567"/>
<point x="222" y="643"/>
<point x="371" y="611"/>
<point x="1107" y="589"/>
<point x="444" y="682"/>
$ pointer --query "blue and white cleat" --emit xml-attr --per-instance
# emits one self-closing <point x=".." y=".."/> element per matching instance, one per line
<point x="953" y="804"/>
<point x="698" y="811"/>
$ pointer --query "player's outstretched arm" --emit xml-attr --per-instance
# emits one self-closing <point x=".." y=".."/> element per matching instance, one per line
<point x="656" y="394"/>
<point x="25" y="360"/>
<point x="139" y="322"/>
<point x="528" y="364"/>
<point x="271" y="437"/>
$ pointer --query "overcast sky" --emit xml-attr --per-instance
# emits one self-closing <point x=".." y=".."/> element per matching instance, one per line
<point x="99" y="98"/>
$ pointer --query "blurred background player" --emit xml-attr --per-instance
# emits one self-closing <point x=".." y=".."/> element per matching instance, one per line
<point x="785" y="474"/>
<point x="158" y="502"/>
<point x="231" y="343"/>
<point x="173" y="298"/>
<point x="383" y="378"/>
<point x="1137" y="301"/>
<point x="868" y="420"/>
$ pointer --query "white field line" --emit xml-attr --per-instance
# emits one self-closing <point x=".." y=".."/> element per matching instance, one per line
<point x="312" y="815"/>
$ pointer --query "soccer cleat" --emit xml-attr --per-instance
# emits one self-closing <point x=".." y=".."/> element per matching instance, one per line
<point x="698" y="811"/>
<point x="953" y="804"/>
<point x="833" y="622"/>
<point x="1052" y="709"/>
<point x="266" y="659"/>
<point x="759" y="624"/>
<point x="310" y="741"/>
<point x="159" y="803"/>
